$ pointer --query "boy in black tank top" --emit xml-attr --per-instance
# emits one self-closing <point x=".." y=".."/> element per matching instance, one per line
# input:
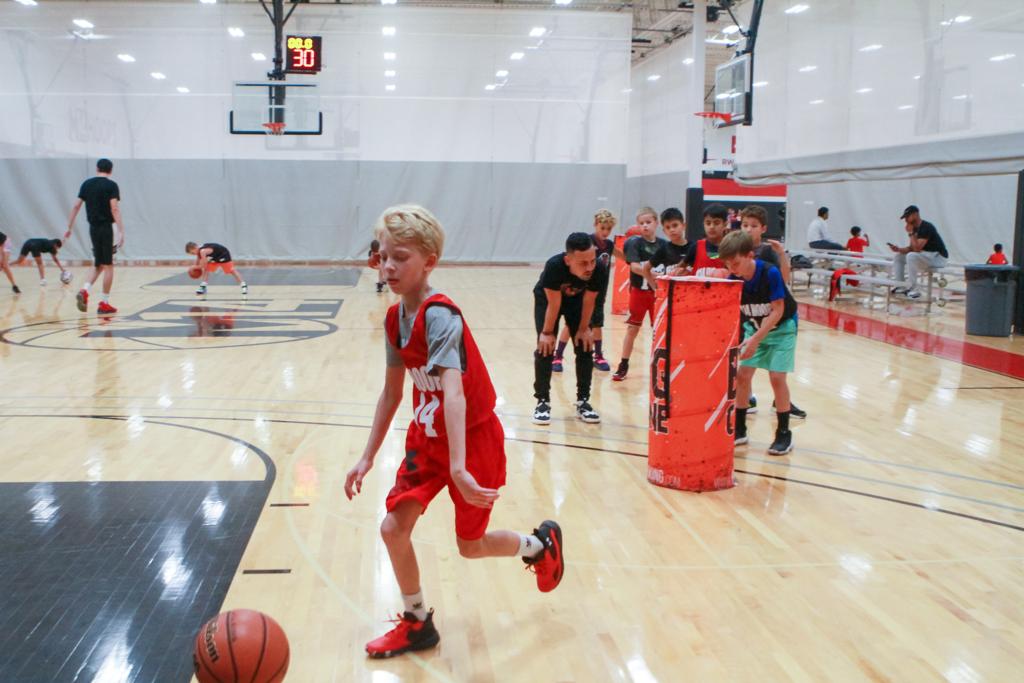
<point x="37" y="246"/>
<point x="212" y="257"/>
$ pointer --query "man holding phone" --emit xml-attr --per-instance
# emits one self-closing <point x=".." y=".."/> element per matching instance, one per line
<point x="925" y="251"/>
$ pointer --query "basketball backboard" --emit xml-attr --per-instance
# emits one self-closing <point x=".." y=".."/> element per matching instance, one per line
<point x="257" y="108"/>
<point x="732" y="90"/>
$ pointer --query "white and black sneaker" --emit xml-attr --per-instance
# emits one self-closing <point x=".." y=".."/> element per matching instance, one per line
<point x="245" y="289"/>
<point x="913" y="294"/>
<point x="783" y="443"/>
<point x="542" y="413"/>
<point x="740" y="439"/>
<point x="201" y="290"/>
<point x="752" y="405"/>
<point x="586" y="412"/>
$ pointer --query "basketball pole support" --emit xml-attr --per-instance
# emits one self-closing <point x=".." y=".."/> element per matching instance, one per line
<point x="278" y="18"/>
<point x="1018" y="256"/>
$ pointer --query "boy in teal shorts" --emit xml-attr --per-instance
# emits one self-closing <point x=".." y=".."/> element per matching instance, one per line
<point x="768" y="316"/>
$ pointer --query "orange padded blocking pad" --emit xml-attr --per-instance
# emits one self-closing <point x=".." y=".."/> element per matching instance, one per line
<point x="693" y="383"/>
<point x="620" y="281"/>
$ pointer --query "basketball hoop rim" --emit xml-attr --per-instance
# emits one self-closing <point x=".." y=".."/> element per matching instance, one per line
<point x="725" y="117"/>
<point x="274" y="127"/>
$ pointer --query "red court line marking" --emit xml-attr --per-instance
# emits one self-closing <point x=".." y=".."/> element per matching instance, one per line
<point x="965" y="352"/>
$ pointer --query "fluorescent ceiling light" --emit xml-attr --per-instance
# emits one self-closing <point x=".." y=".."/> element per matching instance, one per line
<point x="516" y="56"/>
<point x="1002" y="58"/>
<point x="390" y="87"/>
<point x="961" y="18"/>
<point x="760" y="84"/>
<point x="917" y="77"/>
<point x="82" y="23"/>
<point x="387" y="30"/>
<point x="960" y="97"/>
<point x="653" y="77"/>
<point x="27" y="3"/>
<point x="235" y="32"/>
<point x="721" y="41"/>
<point x="797" y="9"/>
<point x="208" y="2"/>
<point x="182" y="89"/>
<point x="390" y="56"/>
<point x="729" y="30"/>
<point x="259" y="57"/>
<point x="628" y="90"/>
<point x="537" y="31"/>
<point x="817" y="101"/>
<point x="563" y="2"/>
<point x="871" y="48"/>
<point x="388" y="2"/>
<point x="157" y="75"/>
<point x="864" y="91"/>
<point x="490" y="86"/>
<point x="807" y="69"/>
<point x="688" y="61"/>
<point x="126" y="58"/>
<point x="503" y="73"/>
<point x="390" y="73"/>
<point x="905" y="107"/>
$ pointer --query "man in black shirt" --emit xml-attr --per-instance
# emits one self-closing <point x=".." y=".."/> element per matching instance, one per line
<point x="925" y="251"/>
<point x="567" y="288"/>
<point x="102" y="198"/>
<point x="37" y="246"/>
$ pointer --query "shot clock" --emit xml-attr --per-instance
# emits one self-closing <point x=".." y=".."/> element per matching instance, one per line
<point x="303" y="54"/>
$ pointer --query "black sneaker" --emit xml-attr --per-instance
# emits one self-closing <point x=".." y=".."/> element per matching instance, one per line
<point x="740" y="438"/>
<point x="783" y="443"/>
<point x="621" y="371"/>
<point x="793" y="410"/>
<point x="542" y="413"/>
<point x="14" y="288"/>
<point x="586" y="412"/>
<point x="380" y="287"/>
<point x="752" y="403"/>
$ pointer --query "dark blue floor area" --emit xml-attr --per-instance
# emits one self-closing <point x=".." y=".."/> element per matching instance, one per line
<point x="308" y="276"/>
<point x="111" y="580"/>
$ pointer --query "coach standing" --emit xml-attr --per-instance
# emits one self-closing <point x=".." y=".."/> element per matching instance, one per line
<point x="102" y="200"/>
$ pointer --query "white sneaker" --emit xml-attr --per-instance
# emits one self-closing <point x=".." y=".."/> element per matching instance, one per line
<point x="586" y="412"/>
<point x="42" y="282"/>
<point x="542" y="413"/>
<point x="245" y="289"/>
<point x="913" y="294"/>
<point x="201" y="289"/>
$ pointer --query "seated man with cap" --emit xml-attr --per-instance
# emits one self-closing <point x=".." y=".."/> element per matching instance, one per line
<point x="925" y="251"/>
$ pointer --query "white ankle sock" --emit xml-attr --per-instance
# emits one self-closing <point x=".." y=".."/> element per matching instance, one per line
<point x="529" y="546"/>
<point x="105" y="298"/>
<point x="86" y="286"/>
<point x="414" y="604"/>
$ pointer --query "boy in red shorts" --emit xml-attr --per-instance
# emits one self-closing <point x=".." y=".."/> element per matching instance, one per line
<point x="212" y="257"/>
<point x="454" y="440"/>
<point x="638" y="251"/>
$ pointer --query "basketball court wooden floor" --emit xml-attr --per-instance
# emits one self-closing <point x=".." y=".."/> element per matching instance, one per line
<point x="188" y="456"/>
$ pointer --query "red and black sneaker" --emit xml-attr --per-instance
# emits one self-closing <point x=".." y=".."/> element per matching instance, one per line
<point x="105" y="309"/>
<point x="549" y="565"/>
<point x="408" y="635"/>
<point x="83" y="300"/>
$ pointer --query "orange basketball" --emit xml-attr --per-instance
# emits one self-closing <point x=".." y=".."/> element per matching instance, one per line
<point x="195" y="272"/>
<point x="242" y="645"/>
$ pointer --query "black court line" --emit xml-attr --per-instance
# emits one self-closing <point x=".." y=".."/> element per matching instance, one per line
<point x="972" y="388"/>
<point x="289" y="505"/>
<point x="266" y="571"/>
<point x="838" y="489"/>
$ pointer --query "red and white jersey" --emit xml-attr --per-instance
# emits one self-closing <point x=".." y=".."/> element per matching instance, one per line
<point x="428" y="398"/>
<point x="703" y="264"/>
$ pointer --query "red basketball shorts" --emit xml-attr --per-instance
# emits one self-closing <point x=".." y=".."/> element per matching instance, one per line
<point x="641" y="303"/>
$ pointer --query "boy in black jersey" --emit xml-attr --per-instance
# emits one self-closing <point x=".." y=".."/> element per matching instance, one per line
<point x="769" y="319"/>
<point x="37" y="246"/>
<point x="212" y="257"/>
<point x="604" y="223"/>
<point x="666" y="260"/>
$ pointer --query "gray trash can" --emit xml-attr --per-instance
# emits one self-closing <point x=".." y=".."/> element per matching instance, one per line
<point x="990" y="296"/>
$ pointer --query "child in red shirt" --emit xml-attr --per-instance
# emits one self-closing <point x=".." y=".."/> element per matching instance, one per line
<point x="454" y="399"/>
<point x="858" y="241"/>
<point x="998" y="258"/>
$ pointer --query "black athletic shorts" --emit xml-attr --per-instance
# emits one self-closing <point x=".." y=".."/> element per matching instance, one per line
<point x="597" y="317"/>
<point x="102" y="236"/>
